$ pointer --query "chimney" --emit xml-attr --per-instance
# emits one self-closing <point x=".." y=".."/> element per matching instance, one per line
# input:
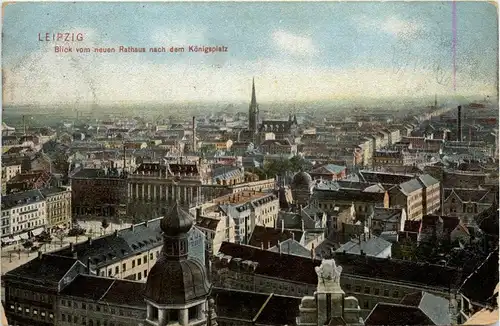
<point x="40" y="254"/>
<point x="312" y="253"/>
<point x="146" y="223"/>
<point x="75" y="255"/>
<point x="279" y="247"/>
<point x="262" y="245"/>
<point x="116" y="233"/>
<point x="282" y="226"/>
<point x="88" y="266"/>
<point x="459" y="124"/>
<point x="303" y="225"/>
<point x="363" y="253"/>
<point x="89" y="240"/>
<point x="269" y="245"/>
<point x="132" y="227"/>
<point x="71" y="248"/>
<point x="198" y="212"/>
<point x="293" y="236"/>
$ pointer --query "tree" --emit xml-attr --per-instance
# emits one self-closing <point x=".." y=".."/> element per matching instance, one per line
<point x="60" y="235"/>
<point x="28" y="244"/>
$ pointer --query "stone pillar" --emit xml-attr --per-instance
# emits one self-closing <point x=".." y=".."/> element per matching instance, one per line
<point x="191" y="197"/>
<point x="162" y="317"/>
<point x="183" y="317"/>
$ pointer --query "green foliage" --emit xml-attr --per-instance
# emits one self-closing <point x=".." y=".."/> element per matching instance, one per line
<point x="280" y="167"/>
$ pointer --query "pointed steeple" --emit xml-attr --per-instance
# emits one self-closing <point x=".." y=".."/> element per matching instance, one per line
<point x="253" y="102"/>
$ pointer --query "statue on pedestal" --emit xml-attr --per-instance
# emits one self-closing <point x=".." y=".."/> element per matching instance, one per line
<point x="328" y="274"/>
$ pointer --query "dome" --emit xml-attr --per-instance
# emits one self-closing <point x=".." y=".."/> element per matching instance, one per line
<point x="301" y="179"/>
<point x="173" y="282"/>
<point x="176" y="221"/>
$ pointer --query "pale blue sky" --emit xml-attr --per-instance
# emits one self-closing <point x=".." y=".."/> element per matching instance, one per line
<point x="346" y="48"/>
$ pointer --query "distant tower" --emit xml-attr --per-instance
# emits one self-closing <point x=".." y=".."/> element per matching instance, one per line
<point x="459" y="124"/>
<point x="253" y="111"/>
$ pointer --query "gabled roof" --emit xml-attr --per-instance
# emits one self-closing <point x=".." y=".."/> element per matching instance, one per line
<point x="395" y="314"/>
<point x="427" y="180"/>
<point x="409" y="187"/>
<point x="434" y="307"/>
<point x="329" y="169"/>
<point x="110" y="290"/>
<point x="270" y="237"/>
<point x="291" y="247"/>
<point x="47" y="268"/>
<point x="301" y="269"/>
<point x="371" y="247"/>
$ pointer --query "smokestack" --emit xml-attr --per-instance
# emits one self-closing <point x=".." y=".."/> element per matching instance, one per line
<point x="194" y="134"/>
<point x="282" y="226"/>
<point x="40" y="254"/>
<point x="71" y="248"/>
<point x="459" y="124"/>
<point x="279" y="247"/>
<point x="89" y="241"/>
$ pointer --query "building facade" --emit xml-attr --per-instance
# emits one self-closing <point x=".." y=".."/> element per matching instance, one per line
<point x="58" y="204"/>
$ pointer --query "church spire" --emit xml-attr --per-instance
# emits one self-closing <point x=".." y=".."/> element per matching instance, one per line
<point x="254" y="98"/>
<point x="253" y="111"/>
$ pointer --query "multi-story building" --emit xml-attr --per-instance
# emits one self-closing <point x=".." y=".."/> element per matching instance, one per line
<point x="371" y="280"/>
<point x="140" y="246"/>
<point x="58" y="204"/>
<point x="163" y="182"/>
<point x="101" y="192"/>
<point x="330" y="172"/>
<point x="278" y="147"/>
<point x="249" y="208"/>
<point x="467" y="202"/>
<point x="408" y="195"/>
<point x="28" y="181"/>
<point x="24" y="215"/>
<point x="431" y="199"/>
<point x="217" y="228"/>
<point x="9" y="170"/>
<point x="386" y="158"/>
<point x="57" y="289"/>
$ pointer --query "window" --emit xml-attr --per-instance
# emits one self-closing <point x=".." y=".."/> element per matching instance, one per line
<point x="193" y="313"/>
<point x="395" y="294"/>
<point x="35" y="311"/>
<point x="145" y="273"/>
<point x="357" y="289"/>
<point x="386" y="293"/>
<point x="117" y="270"/>
<point x="139" y="276"/>
<point x="124" y="267"/>
<point x="42" y="313"/>
<point x="84" y="306"/>
<point x="376" y="291"/>
<point x="97" y="308"/>
<point x="151" y="256"/>
<point x="133" y="263"/>
<point x="110" y="272"/>
<point x="145" y="259"/>
<point x="138" y="261"/>
<point x="367" y="290"/>
<point x="63" y="317"/>
<point x="366" y="304"/>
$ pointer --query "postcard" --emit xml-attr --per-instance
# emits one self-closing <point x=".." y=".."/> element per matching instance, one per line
<point x="249" y="163"/>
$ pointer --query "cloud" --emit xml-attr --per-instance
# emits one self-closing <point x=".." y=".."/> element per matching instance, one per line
<point x="401" y="28"/>
<point x="49" y="78"/>
<point x="394" y="26"/>
<point x="294" y="44"/>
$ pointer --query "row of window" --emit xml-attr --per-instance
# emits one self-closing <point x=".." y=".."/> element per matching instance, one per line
<point x="95" y="307"/>
<point x="135" y="262"/>
<point x="367" y="290"/>
<point x="32" y="312"/>
<point x="84" y="320"/>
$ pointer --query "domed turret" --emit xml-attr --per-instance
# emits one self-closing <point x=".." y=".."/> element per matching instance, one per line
<point x="176" y="221"/>
<point x="176" y="279"/>
<point x="301" y="179"/>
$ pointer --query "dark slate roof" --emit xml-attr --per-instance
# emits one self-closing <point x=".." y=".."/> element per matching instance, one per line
<point x="480" y="281"/>
<point x="107" y="290"/>
<point x="301" y="269"/>
<point x="410" y="186"/>
<point x="471" y="195"/>
<point x="269" y="236"/>
<point x="291" y="247"/>
<point x="114" y="247"/>
<point x="387" y="214"/>
<point x="427" y="180"/>
<point x="397" y="315"/>
<point x="371" y="247"/>
<point x="21" y="198"/>
<point x="209" y="223"/>
<point x="48" y="268"/>
<point x="262" y="309"/>
<point x="348" y="195"/>
<point x="433" y="306"/>
<point x="52" y="191"/>
<point x="384" y="178"/>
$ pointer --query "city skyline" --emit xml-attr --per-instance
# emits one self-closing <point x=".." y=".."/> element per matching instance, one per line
<point x="351" y="50"/>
